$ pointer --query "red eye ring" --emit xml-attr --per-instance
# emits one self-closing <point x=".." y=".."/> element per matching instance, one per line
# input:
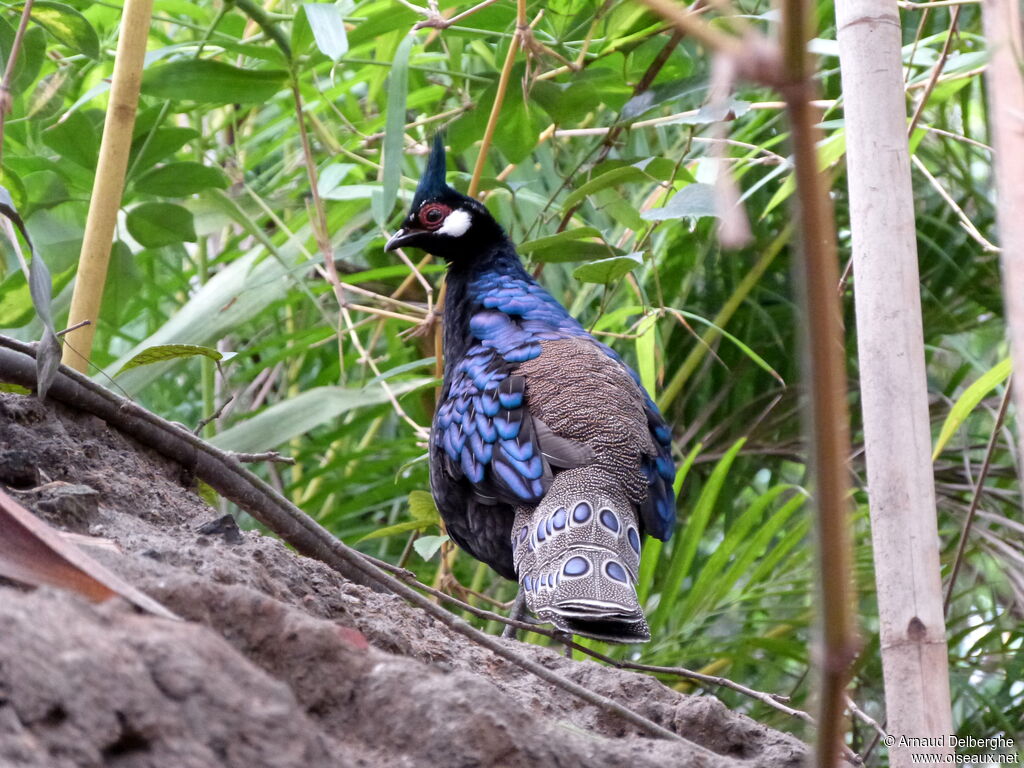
<point x="432" y="215"/>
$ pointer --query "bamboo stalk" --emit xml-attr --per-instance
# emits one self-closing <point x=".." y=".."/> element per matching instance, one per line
<point x="108" y="186"/>
<point x="893" y="385"/>
<point x="499" y="100"/>
<point x="825" y="377"/>
<point x="787" y="67"/>
<point x="1002" y="22"/>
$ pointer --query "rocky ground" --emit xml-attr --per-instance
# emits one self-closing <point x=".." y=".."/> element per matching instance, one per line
<point x="280" y="662"/>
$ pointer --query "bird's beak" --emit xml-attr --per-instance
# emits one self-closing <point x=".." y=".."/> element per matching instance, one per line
<point x="400" y="238"/>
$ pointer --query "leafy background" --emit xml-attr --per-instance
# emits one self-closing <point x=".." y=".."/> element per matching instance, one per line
<point x="599" y="168"/>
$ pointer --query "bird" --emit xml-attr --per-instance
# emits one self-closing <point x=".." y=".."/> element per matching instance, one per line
<point x="549" y="461"/>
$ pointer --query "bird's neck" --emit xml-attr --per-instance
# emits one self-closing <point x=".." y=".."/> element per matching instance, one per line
<point x="463" y="294"/>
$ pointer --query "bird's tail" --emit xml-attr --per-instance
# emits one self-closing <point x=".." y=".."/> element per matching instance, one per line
<point x="577" y="555"/>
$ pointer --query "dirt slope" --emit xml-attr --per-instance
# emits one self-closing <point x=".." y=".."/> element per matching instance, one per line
<point x="282" y="662"/>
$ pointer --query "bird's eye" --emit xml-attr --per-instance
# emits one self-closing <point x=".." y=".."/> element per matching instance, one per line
<point x="433" y="215"/>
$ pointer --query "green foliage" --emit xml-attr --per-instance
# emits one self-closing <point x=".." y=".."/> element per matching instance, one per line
<point x="217" y="249"/>
<point x="164" y="352"/>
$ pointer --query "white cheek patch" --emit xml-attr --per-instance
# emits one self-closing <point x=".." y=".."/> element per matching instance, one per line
<point x="456" y="224"/>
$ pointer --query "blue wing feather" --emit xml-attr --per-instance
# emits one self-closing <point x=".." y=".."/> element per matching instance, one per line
<point x="483" y="421"/>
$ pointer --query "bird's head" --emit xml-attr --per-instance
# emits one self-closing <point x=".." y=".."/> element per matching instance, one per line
<point x="442" y="221"/>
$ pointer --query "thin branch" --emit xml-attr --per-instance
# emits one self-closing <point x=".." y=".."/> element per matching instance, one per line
<point x="437" y="21"/>
<point x="908" y="6"/>
<point x="319" y="221"/>
<point x="956" y="137"/>
<point x="273" y="457"/>
<point x="234" y="482"/>
<point x="936" y="70"/>
<point x="386" y="313"/>
<point x="12" y="60"/>
<point x="213" y="416"/>
<point x="864" y="717"/>
<point x="976" y="496"/>
<point x="499" y="99"/>
<point x="73" y="327"/>
<point x="689" y="23"/>
<point x="773" y="700"/>
<point x="965" y="220"/>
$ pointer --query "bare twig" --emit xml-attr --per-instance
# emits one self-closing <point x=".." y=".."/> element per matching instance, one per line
<point x="73" y="327"/>
<point x="12" y="60"/>
<point x="773" y="700"/>
<point x="255" y="458"/>
<point x="979" y="487"/>
<point x="909" y="6"/>
<point x="936" y="70"/>
<point x="330" y="269"/>
<point x="865" y="718"/>
<point x="234" y="482"/>
<point x="965" y="220"/>
<point x="213" y="416"/>
<point x="437" y="21"/>
<point x="499" y="98"/>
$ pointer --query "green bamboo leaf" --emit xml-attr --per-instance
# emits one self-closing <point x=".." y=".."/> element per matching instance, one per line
<point x="164" y="352"/>
<point x="692" y="201"/>
<point x="422" y="507"/>
<point x="150" y="148"/>
<point x="557" y="241"/>
<point x="394" y="132"/>
<point x="41" y="291"/>
<point x="300" y="414"/>
<point x="758" y="360"/>
<point x="651" y="555"/>
<point x="212" y="82"/>
<point x="391" y="530"/>
<point x="830" y="150"/>
<point x="74" y="138"/>
<point x="181" y="179"/>
<point x="744" y="541"/>
<point x="969" y="400"/>
<point x="16" y="307"/>
<point x="686" y="540"/>
<point x="68" y="26"/>
<point x="646" y="340"/>
<point x="577" y="250"/>
<point x="428" y="546"/>
<point x="570" y="245"/>
<point x="569" y="102"/>
<point x="415" y="365"/>
<point x="607" y="271"/>
<point x="614" y="177"/>
<point x="328" y="28"/>
<point x="158" y="224"/>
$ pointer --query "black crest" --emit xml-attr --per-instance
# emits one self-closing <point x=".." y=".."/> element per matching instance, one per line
<point x="433" y="185"/>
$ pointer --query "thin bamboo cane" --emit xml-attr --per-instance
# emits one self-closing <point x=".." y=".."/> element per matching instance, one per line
<point x="894" y="392"/>
<point x="109" y="183"/>
<point x="787" y="67"/>
<point x="1002" y="21"/>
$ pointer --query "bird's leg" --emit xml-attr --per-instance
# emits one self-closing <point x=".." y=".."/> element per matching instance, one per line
<point x="517" y="613"/>
<point x="566" y="639"/>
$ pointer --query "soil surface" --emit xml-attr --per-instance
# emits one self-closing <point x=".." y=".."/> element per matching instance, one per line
<point x="280" y="662"/>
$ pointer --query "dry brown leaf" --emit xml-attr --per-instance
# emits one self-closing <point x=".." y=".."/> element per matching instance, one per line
<point x="34" y="553"/>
